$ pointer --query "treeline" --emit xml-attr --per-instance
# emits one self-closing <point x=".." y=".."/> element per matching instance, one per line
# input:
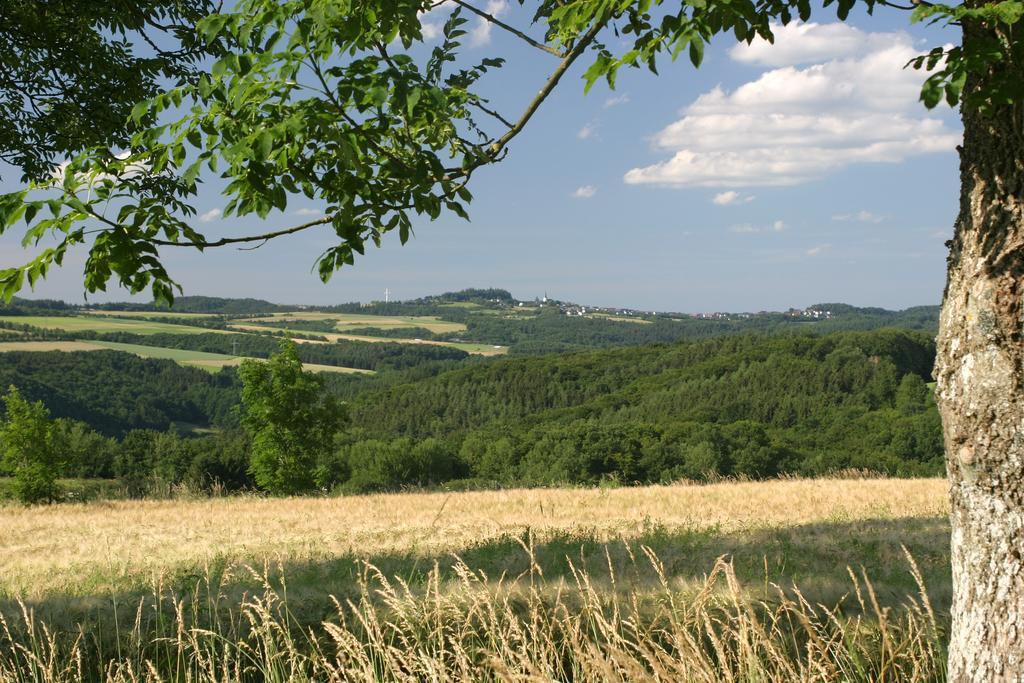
<point x="143" y="462"/>
<point x="115" y="392"/>
<point x="751" y="405"/>
<point x="550" y="331"/>
<point x="201" y="304"/>
<point x="378" y="356"/>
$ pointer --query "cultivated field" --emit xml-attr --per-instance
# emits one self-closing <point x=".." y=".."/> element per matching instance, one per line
<point x="806" y="528"/>
<point x="673" y="583"/>
<point x="199" y="359"/>
<point x="99" y="323"/>
<point x="151" y="314"/>
<point x="468" y="347"/>
<point x="357" y="320"/>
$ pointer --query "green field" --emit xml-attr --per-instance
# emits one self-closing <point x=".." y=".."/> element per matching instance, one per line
<point x="211" y="362"/>
<point x="468" y="347"/>
<point x="356" y="320"/>
<point x="151" y="314"/>
<point x="98" y="323"/>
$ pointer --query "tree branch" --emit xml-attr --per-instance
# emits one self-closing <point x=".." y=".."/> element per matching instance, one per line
<point x="511" y="29"/>
<point x="499" y="145"/>
<point x="494" y="153"/>
<point x="248" y="238"/>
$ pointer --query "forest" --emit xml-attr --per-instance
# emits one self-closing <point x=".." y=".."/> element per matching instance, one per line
<point x="749" y="405"/>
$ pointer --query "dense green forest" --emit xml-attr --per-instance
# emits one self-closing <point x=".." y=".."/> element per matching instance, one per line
<point x="748" y="405"/>
<point x="115" y="392"/>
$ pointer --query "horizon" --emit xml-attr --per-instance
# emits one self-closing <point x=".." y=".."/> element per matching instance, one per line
<point x="538" y="297"/>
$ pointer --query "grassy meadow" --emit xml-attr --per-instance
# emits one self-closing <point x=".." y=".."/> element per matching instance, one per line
<point x="102" y="323"/>
<point x="468" y="347"/>
<point x="775" y="581"/>
<point x="199" y="359"/>
<point x="356" y="320"/>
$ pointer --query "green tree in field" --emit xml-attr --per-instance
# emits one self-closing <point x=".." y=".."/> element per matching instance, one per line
<point x="291" y="420"/>
<point x="27" y="448"/>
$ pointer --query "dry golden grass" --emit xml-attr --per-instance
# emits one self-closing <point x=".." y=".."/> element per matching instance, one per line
<point x="81" y="549"/>
<point x="528" y="629"/>
<point x="668" y="583"/>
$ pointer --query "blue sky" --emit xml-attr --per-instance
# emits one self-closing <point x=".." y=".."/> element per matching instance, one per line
<point x="774" y="176"/>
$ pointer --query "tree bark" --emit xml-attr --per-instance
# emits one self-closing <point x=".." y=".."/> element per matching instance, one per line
<point x="980" y="389"/>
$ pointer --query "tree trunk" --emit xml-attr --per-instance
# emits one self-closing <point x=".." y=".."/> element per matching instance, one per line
<point x="980" y="391"/>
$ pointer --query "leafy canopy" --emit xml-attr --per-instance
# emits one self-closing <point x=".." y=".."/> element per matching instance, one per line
<point x="70" y="71"/>
<point x="27" y="448"/>
<point x="290" y="418"/>
<point x="341" y="102"/>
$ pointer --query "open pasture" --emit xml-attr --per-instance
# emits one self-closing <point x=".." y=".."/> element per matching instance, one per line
<point x="156" y="315"/>
<point x="199" y="359"/>
<point x="468" y="347"/>
<point x="100" y="323"/>
<point x="357" y="320"/>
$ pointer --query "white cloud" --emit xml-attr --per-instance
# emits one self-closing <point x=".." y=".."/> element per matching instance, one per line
<point x="814" y="251"/>
<point x="731" y="197"/>
<point x="749" y="229"/>
<point x="800" y="43"/>
<point x="584" y="192"/>
<point x="90" y="180"/>
<point x="210" y="216"/>
<point x="430" y="30"/>
<point x="587" y="131"/>
<point x="795" y="124"/>
<point x="431" y="21"/>
<point x="616" y="100"/>
<point x="480" y="34"/>
<point x="860" y="217"/>
<point x="308" y="212"/>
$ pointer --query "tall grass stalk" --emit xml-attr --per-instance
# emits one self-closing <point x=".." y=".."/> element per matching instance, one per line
<point x="476" y="627"/>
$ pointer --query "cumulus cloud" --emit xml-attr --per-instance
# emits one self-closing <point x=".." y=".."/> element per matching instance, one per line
<point x="430" y="30"/>
<point x="210" y="216"/>
<point x="92" y="179"/>
<point x="616" y="100"/>
<point x="794" y="123"/>
<point x="584" y="192"/>
<point x="748" y="228"/>
<point x="480" y="34"/>
<point x="731" y="197"/>
<point x="432" y="21"/>
<point x="860" y="217"/>
<point x="800" y="43"/>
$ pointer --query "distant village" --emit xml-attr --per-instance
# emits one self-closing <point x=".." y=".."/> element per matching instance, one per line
<point x="579" y="310"/>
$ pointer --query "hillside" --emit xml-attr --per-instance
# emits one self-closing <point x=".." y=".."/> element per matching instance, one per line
<point x="749" y="405"/>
